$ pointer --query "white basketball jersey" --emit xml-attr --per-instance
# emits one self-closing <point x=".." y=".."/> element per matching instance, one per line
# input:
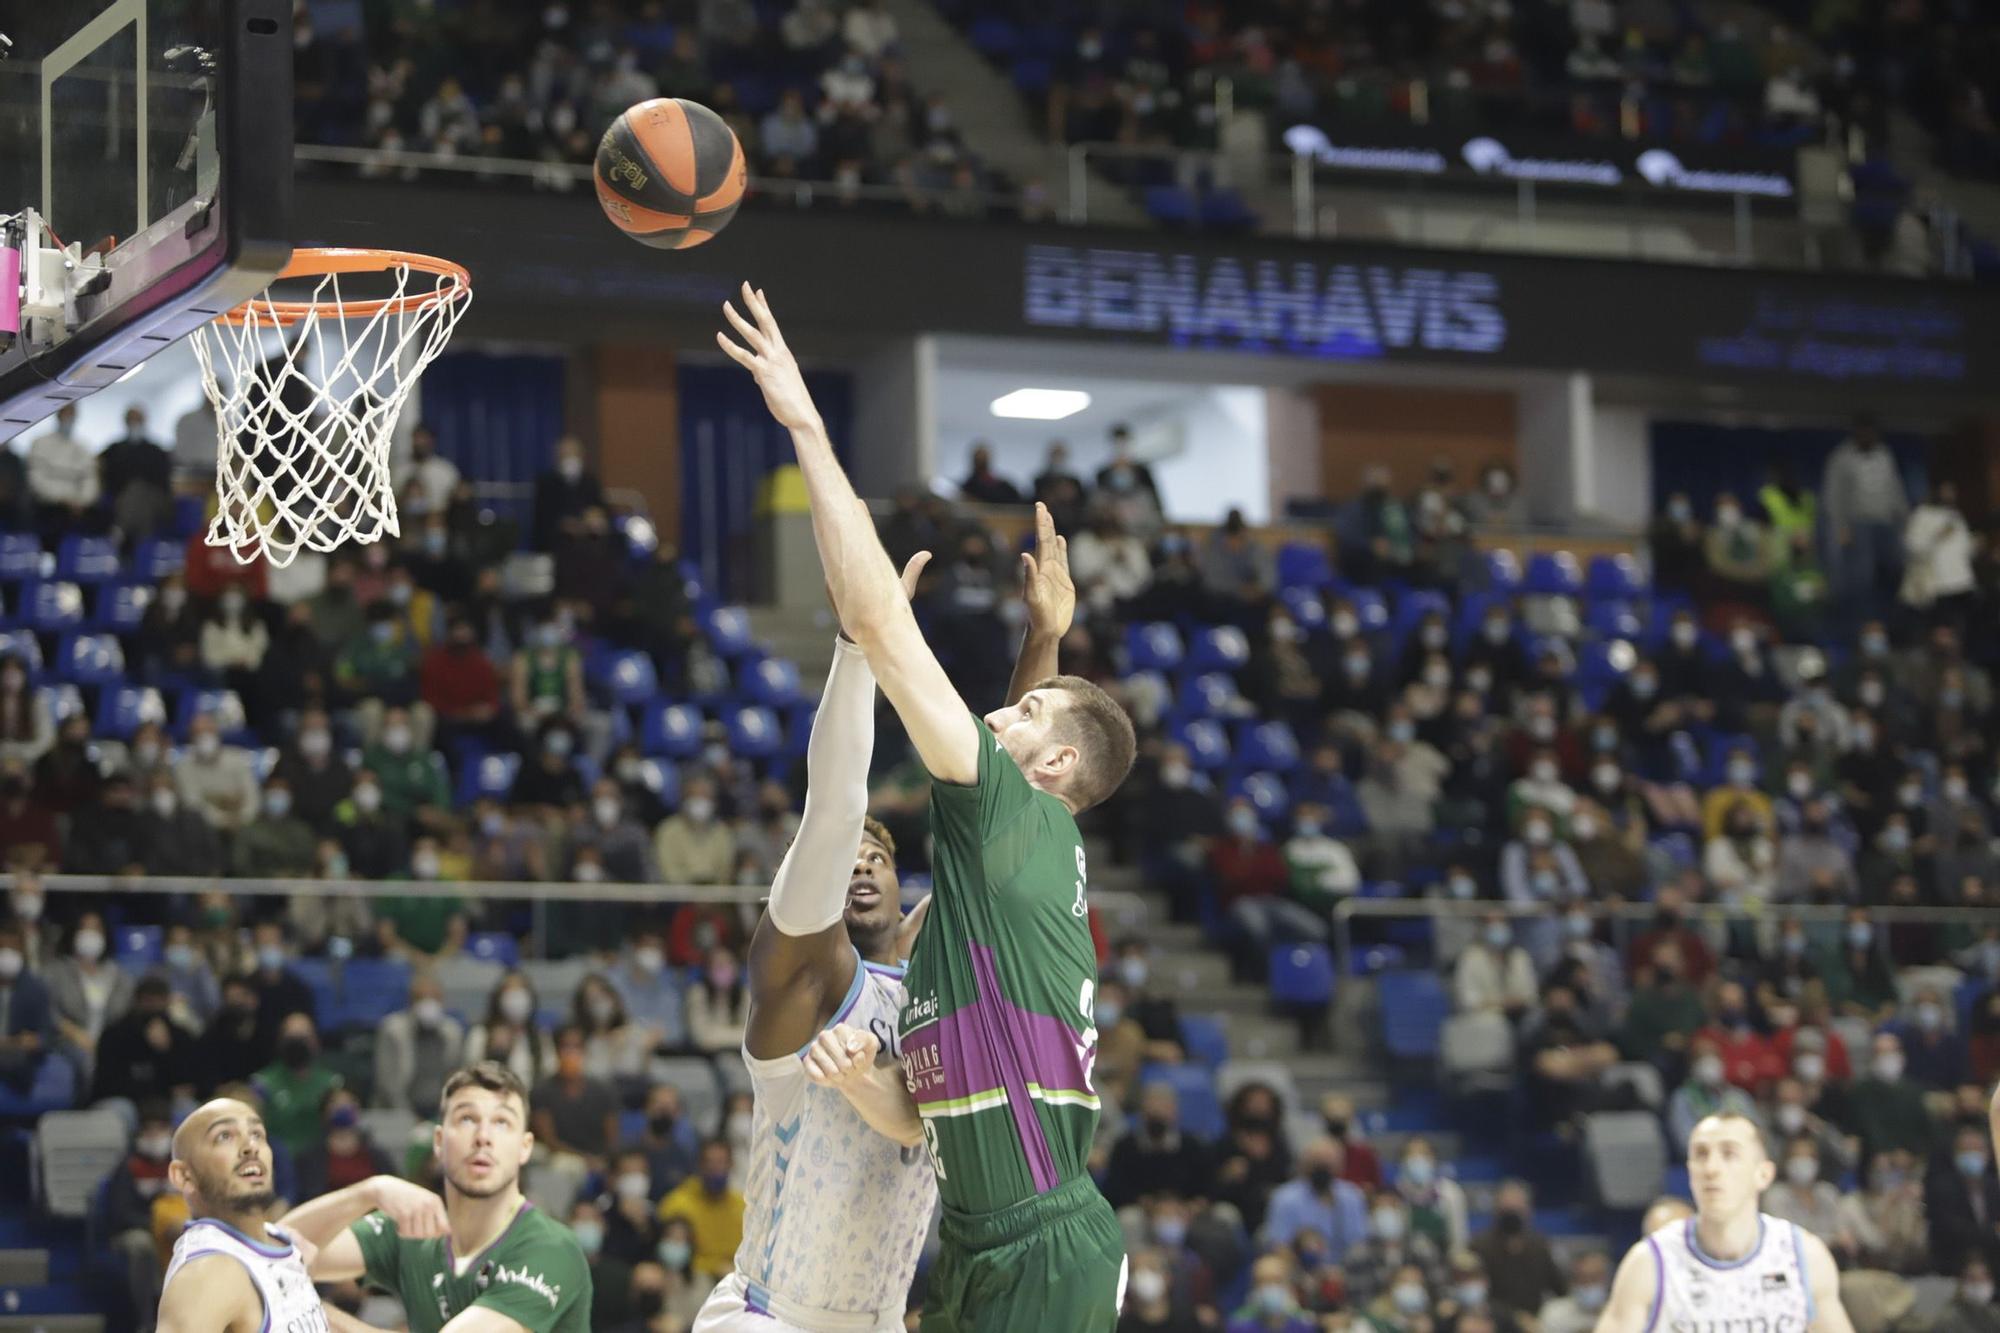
<point x="291" y="1305"/>
<point x="835" y="1214"/>
<point x="1764" y="1292"/>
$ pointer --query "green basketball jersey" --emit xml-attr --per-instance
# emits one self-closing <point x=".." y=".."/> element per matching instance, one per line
<point x="997" y="1033"/>
<point x="535" y="1274"/>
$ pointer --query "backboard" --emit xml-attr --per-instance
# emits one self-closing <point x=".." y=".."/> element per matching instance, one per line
<point x="156" y="134"/>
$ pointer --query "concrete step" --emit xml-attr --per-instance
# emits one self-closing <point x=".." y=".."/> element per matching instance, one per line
<point x="1182" y="972"/>
<point x="24" y="1268"/>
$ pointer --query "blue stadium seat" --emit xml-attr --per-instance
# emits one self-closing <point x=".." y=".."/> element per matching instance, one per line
<point x="662" y="778"/>
<point x="1154" y="647"/>
<point x="51" y="607"/>
<point x="671" y="729"/>
<point x="62" y="700"/>
<point x="54" y="1089"/>
<point x="155" y="560"/>
<point x="994" y="37"/>
<point x="1223" y="648"/>
<point x="1553" y="574"/>
<point x="1211" y="695"/>
<point x="493" y="946"/>
<point x="1226" y="210"/>
<point x="1304" y="565"/>
<point x="754" y="732"/>
<point x="121" y="607"/>
<point x="1267" y="745"/>
<point x="87" y="559"/>
<point x="371" y="989"/>
<point x="224" y="705"/>
<point x="491" y="777"/>
<point x="728" y="630"/>
<point x="137" y="947"/>
<point x="20" y="557"/>
<point x="1207" y="744"/>
<point x="1614" y="576"/>
<point x="1201" y="1109"/>
<point x="774" y="681"/>
<point x="121" y="710"/>
<point x="1032" y="74"/>
<point x="1267" y="792"/>
<point x="24" y="645"/>
<point x="629" y="678"/>
<point x="1302" y="974"/>
<point x="1308" y="611"/>
<point x="1170" y="205"/>
<point x="1500" y="570"/>
<point x="1414" y="1008"/>
<point x="1414" y="606"/>
<point x="1614" y="619"/>
<point x="90" y="659"/>
<point x="1205" y="1039"/>
<point x="1369" y="609"/>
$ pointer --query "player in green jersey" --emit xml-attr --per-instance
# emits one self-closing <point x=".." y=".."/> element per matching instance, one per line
<point x="503" y="1266"/>
<point x="997" y="1032"/>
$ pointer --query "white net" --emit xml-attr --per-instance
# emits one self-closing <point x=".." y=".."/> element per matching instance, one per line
<point x="306" y="408"/>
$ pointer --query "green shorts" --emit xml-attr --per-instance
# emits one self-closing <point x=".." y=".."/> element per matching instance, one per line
<point x="1053" y="1262"/>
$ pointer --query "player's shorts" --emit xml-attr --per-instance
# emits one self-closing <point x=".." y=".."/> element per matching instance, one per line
<point x="738" y="1305"/>
<point x="1051" y="1264"/>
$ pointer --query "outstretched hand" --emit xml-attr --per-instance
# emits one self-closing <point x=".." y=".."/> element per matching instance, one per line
<point x="764" y="354"/>
<point x="1045" y="581"/>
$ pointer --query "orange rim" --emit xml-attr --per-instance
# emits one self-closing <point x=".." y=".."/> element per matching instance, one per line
<point x="453" y="283"/>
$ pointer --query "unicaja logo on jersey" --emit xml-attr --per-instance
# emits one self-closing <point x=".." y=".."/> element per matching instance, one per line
<point x="534" y="1282"/>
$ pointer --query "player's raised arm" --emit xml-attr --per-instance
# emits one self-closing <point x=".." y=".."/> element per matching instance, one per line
<point x="866" y="593"/>
<point x="418" y="1213"/>
<point x="1051" y="600"/>
<point x="801" y="952"/>
<point x="1823" y="1281"/>
<point x="1630" y="1305"/>
<point x="212" y="1294"/>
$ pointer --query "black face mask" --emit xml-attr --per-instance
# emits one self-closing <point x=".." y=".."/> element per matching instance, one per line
<point x="649" y="1303"/>
<point x="1158" y="1127"/>
<point x="1510" y="1223"/>
<point x="661" y="1125"/>
<point x="1320" y="1178"/>
<point x="1336" y="1126"/>
<point x="296" y="1052"/>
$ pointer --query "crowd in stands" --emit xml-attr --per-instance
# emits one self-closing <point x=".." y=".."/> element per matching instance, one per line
<point x="1386" y="709"/>
<point x="815" y="90"/>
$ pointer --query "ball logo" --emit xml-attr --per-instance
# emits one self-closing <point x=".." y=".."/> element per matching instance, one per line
<point x="625" y="169"/>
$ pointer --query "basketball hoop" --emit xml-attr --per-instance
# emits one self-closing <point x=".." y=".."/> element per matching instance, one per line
<point x="304" y="421"/>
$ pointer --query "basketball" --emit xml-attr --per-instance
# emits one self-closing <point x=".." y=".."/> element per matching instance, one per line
<point x="670" y="173"/>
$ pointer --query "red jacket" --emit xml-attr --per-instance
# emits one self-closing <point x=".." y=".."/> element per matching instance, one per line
<point x="1247" y="869"/>
<point x="455" y="683"/>
<point x="1749" y="1058"/>
<point x="210" y="569"/>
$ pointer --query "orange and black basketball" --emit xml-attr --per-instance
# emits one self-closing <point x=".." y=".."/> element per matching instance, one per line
<point x="670" y="173"/>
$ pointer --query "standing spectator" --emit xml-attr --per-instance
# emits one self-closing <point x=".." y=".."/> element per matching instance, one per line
<point x="692" y="846"/>
<point x="217" y="780"/>
<point x="564" y="492"/>
<point x="144" y="1056"/>
<point x="1521" y="1268"/>
<point x="1495" y="975"/>
<point x="27" y="1014"/>
<point x="62" y="478"/>
<point x="416" y="1049"/>
<point x="1865" y="505"/>
<point x="713" y="1207"/>
<point x="1962" y="1197"/>
<point x="135" y="475"/>
<point x="1938" y="549"/>
<point x="1318" y="1200"/>
<point x="295" y="1086"/>
<point x="88" y="990"/>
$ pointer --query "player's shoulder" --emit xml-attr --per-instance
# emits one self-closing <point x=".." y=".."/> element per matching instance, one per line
<point x="541" y="1235"/>
<point x="207" y="1281"/>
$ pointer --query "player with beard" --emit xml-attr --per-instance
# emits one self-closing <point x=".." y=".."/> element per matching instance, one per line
<point x="232" y="1272"/>
<point x="838" y="1191"/>
<point x="501" y="1266"/>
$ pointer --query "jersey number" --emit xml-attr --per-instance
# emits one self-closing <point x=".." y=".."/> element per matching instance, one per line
<point x="1086" y="1041"/>
<point x="1077" y="908"/>
<point x="931" y="1147"/>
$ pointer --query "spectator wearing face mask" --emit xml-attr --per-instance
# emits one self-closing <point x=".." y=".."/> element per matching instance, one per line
<point x="1971" y="1308"/>
<point x="718" y="1005"/>
<point x="1578" y="1310"/>
<point x="651" y="990"/>
<point x="169" y="636"/>
<point x="27" y="727"/>
<point x="508" y="1032"/>
<point x="1885" y="1110"/>
<point x="1378" y="1263"/>
<point x="377" y="667"/>
<point x="88" y="990"/>
<point x="1886" y="1215"/>
<point x="1706" y="1092"/>
<point x="144" y="1055"/>
<point x="714" y="1209"/>
<point x="1738" y="553"/>
<point x="230" y="1048"/>
<point x="319" y="777"/>
<point x="1495" y="974"/>
<point x="1539" y="868"/>
<point x="1157" y="1155"/>
<point x="1750" y="1059"/>
<point x="564" y="492"/>
<point x="1436" y="1202"/>
<point x="427" y="927"/>
<point x="669" y="1142"/>
<point x="1273" y="1301"/>
<point x="1318" y="1200"/>
<point x="1934" y="1056"/>
<point x="1742" y="863"/>
<point x="408" y="775"/>
<point x="1403" y="1304"/>
<point x="374" y="838"/>
<point x="295" y="1086"/>
<point x="1152" y="1305"/>
<point x="1665" y="1012"/>
<point x="1251" y="878"/>
<point x="1855" y="969"/>
<point x="277" y="844"/>
<point x="136" y="1185"/>
<point x="416" y="1048"/>
<point x="610" y="1275"/>
<point x="574" y="1114"/>
<point x="215" y="780"/>
<point x="1521" y="1267"/>
<point x="1399" y="795"/>
<point x="1812" y="864"/>
<point x="693" y="846"/>
<point x="1802" y="1197"/>
<point x="343" y="1155"/>
<point x="621" y="845"/>
<point x="1962" y="1199"/>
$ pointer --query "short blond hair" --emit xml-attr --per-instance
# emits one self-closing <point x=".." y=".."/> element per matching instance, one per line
<point x="1096" y="726"/>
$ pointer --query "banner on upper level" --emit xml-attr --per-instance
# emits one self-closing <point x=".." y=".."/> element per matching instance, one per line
<point x="546" y="267"/>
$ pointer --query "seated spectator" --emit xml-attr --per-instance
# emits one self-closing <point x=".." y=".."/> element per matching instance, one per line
<point x="144" y="1056"/>
<point x="1971" y="1309"/>
<point x="68" y="777"/>
<point x="1109" y="563"/>
<point x="1437" y="1202"/>
<point x="169" y="636"/>
<point x="27" y="1014"/>
<point x="632" y="1226"/>
<point x="1362" y="1165"/>
<point x="129" y="1194"/>
<point x="1589" y="1288"/>
<point x="1539" y="868"/>
<point x="1157" y="1156"/>
<point x="215" y="780"/>
<point x="422" y="928"/>
<point x="1152" y="1305"/>
<point x="408" y="775"/>
<point x="1273" y="1304"/>
<point x="1887" y="1215"/>
<point x="1399" y="795"/>
<point x="1885" y="1110"/>
<point x="318" y="777"/>
<point x="295" y="1086"/>
<point x="378" y="666"/>
<point x="1566" y="1057"/>
<point x="62" y="478"/>
<point x="1250" y="879"/>
<point x="194" y="994"/>
<point x="1121" y="1042"/>
<point x="1318" y="1200"/>
<point x="1610" y="854"/>
<point x="1404" y="1304"/>
<point x="1742" y="863"/>
<point x="718" y="1005"/>
<point x="650" y="990"/>
<point x="509" y="1034"/>
<point x="1934" y="1057"/>
<point x="621" y="845"/>
<point x="1494" y="974"/>
<point x="458" y="680"/>
<point x="1693" y="961"/>
<point x="1738" y="552"/>
<point x="1373" y="1266"/>
<point x="985" y="486"/>
<point x="107" y="836"/>
<point x="1859" y="980"/>
<point x="615" y="1047"/>
<point x="89" y="991"/>
<point x="692" y="846"/>
<point x="1962" y="1199"/>
<point x="575" y="1115"/>
<point x="30" y="837"/>
<point x="1521" y="1268"/>
<point x="1812" y="864"/>
<point x="1468" y="1304"/>
<point x="416" y="1049"/>
<point x="1749" y="1058"/>
<point x="277" y="844"/>
<point x="343" y="1155"/>
<point x="1706" y="1092"/>
<point x="27" y="728"/>
<point x="669" y="1142"/>
<point x="373" y="838"/>
<point x="230" y="1049"/>
<point x="1322" y="869"/>
<point x="713" y="1208"/>
<point x="1801" y="1197"/>
<point x="1791" y="1118"/>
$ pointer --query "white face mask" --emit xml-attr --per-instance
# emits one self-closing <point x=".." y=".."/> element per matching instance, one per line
<point x="1801" y="1171"/>
<point x="28" y="906"/>
<point x="424" y="865"/>
<point x="10" y="964"/>
<point x="368" y="798"/>
<point x="1977" y="1293"/>
<point x="89" y="944"/>
<point x="516" y="1005"/>
<point x="1149" y="1286"/>
<point x="207" y="745"/>
<point x="607" y="812"/>
<point x="1889" y="1067"/>
<point x="315" y="744"/>
<point x="428" y="1012"/>
<point x="1708" y="1071"/>
<point x="700" y="809"/>
<point x="1810" y="1067"/>
<point x="649" y="958"/>
<point x="634" y="1185"/>
<point x="1791" y="1117"/>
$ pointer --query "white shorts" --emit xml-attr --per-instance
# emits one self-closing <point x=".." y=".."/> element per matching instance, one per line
<point x="729" y="1309"/>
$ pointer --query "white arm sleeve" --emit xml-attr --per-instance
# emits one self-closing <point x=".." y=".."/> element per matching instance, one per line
<point x="810" y="891"/>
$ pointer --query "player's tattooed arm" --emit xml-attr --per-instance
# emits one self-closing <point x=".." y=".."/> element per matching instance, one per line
<point x="1051" y="601"/>
<point x="212" y="1294"/>
<point x="1631" y="1301"/>
<point x="847" y="1059"/>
